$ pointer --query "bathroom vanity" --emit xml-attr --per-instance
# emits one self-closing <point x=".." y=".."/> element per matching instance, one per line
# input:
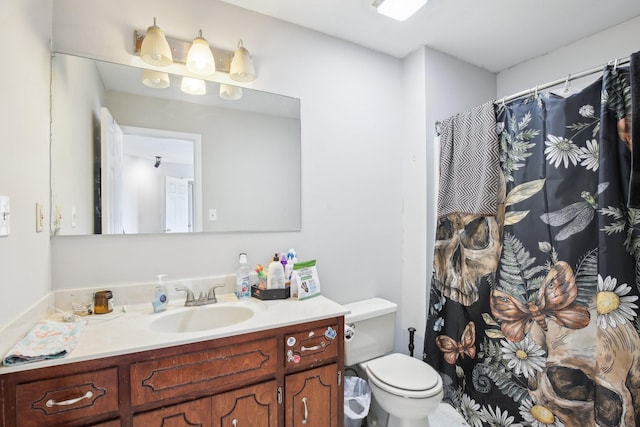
<point x="266" y="376"/>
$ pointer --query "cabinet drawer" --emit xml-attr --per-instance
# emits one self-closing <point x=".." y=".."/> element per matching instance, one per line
<point x="203" y="372"/>
<point x="311" y="345"/>
<point x="67" y="398"/>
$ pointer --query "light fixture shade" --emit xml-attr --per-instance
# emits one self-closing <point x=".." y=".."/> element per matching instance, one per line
<point x="200" y="58"/>
<point x="155" y="49"/>
<point x="155" y="79"/>
<point x="242" y="69"/>
<point x="230" y="92"/>
<point x="193" y="86"/>
<point x="400" y="10"/>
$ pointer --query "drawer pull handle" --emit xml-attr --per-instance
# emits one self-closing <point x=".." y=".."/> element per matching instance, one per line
<point x="306" y="410"/>
<point x="50" y="403"/>
<point x="314" y="348"/>
<point x="234" y="422"/>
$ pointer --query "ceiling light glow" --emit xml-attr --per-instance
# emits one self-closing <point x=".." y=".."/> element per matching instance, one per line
<point x="400" y="10"/>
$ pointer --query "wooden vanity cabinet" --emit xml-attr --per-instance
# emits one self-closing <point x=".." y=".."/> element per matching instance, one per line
<point x="284" y="377"/>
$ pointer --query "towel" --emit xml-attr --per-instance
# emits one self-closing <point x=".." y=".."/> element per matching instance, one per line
<point x="46" y="340"/>
<point x="634" y="180"/>
<point x="469" y="163"/>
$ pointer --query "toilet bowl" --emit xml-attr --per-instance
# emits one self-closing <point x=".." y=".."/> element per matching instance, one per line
<point x="406" y="388"/>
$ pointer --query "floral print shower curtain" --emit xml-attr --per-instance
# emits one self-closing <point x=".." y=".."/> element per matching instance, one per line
<point x="533" y="314"/>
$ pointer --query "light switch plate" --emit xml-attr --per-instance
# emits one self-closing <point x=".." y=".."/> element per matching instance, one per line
<point x="5" y="216"/>
<point x="213" y="214"/>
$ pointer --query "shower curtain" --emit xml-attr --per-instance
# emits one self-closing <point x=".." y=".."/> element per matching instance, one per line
<point x="533" y="313"/>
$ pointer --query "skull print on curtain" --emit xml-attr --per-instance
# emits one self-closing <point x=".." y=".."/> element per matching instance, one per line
<point x="533" y="313"/>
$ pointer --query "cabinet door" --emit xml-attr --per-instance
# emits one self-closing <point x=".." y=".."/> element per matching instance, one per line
<point x="114" y="423"/>
<point x="311" y="398"/>
<point x="191" y="414"/>
<point x="254" y="406"/>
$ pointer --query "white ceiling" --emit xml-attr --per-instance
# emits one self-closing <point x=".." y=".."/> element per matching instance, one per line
<point x="492" y="34"/>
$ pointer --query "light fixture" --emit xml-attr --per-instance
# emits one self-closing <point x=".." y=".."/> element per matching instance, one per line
<point x="200" y="59"/>
<point x="158" y="161"/>
<point x="155" y="79"/>
<point x="193" y="86"/>
<point x="400" y="10"/>
<point x="230" y="92"/>
<point x="242" y="69"/>
<point x="155" y="49"/>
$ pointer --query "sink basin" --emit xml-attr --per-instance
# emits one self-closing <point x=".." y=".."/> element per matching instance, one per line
<point x="203" y="318"/>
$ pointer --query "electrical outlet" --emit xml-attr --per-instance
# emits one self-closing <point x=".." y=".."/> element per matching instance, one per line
<point x="39" y="218"/>
<point x="5" y="219"/>
<point x="57" y="219"/>
<point x="213" y="215"/>
<point x="74" y="216"/>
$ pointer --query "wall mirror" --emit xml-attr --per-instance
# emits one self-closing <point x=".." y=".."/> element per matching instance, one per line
<point x="127" y="158"/>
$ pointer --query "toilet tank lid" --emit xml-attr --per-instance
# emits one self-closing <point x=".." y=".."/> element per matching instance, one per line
<point x="365" y="309"/>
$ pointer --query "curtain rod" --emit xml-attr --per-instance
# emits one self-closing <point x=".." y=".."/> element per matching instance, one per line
<point x="535" y="89"/>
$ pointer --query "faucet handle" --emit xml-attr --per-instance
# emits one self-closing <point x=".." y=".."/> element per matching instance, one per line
<point x="190" y="300"/>
<point x="211" y="298"/>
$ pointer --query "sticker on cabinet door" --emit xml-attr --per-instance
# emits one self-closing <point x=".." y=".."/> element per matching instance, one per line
<point x="291" y="341"/>
<point x="330" y="333"/>
<point x="293" y="357"/>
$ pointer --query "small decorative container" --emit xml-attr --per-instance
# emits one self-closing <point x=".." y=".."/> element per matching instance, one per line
<point x="103" y="302"/>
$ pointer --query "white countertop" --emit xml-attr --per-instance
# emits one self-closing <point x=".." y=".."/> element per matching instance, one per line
<point x="122" y="332"/>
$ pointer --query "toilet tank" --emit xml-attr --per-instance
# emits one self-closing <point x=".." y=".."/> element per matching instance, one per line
<point x="373" y="322"/>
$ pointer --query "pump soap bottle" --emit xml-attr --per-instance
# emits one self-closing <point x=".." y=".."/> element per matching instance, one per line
<point x="275" y="273"/>
<point x="160" y="296"/>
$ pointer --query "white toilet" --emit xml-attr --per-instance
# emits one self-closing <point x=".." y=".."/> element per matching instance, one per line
<point x="404" y="387"/>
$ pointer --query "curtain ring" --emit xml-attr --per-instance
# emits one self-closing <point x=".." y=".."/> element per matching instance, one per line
<point x="615" y="65"/>
<point x="536" y="93"/>
<point x="503" y="104"/>
<point x="566" y="83"/>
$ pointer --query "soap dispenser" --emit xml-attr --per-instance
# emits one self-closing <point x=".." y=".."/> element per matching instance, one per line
<point x="160" y="296"/>
<point x="275" y="273"/>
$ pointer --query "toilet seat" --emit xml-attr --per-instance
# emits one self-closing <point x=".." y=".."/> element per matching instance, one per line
<point x="404" y="375"/>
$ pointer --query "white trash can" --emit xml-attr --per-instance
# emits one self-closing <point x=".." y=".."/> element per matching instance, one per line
<point x="357" y="398"/>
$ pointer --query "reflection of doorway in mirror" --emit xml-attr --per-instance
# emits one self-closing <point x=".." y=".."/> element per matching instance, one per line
<point x="162" y="175"/>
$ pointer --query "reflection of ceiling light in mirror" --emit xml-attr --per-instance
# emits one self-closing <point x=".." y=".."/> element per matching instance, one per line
<point x="155" y="49"/>
<point x="193" y="86"/>
<point x="242" y="68"/>
<point x="155" y="79"/>
<point x="230" y="92"/>
<point x="200" y="58"/>
<point x="400" y="10"/>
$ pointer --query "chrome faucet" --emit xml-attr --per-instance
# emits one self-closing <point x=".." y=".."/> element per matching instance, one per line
<point x="190" y="301"/>
<point x="203" y="299"/>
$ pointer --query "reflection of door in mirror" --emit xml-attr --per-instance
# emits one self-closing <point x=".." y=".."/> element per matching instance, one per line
<point x="162" y="181"/>
<point x="176" y="196"/>
<point x="111" y="174"/>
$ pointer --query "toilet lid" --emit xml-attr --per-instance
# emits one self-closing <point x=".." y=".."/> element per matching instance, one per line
<point x="401" y="371"/>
